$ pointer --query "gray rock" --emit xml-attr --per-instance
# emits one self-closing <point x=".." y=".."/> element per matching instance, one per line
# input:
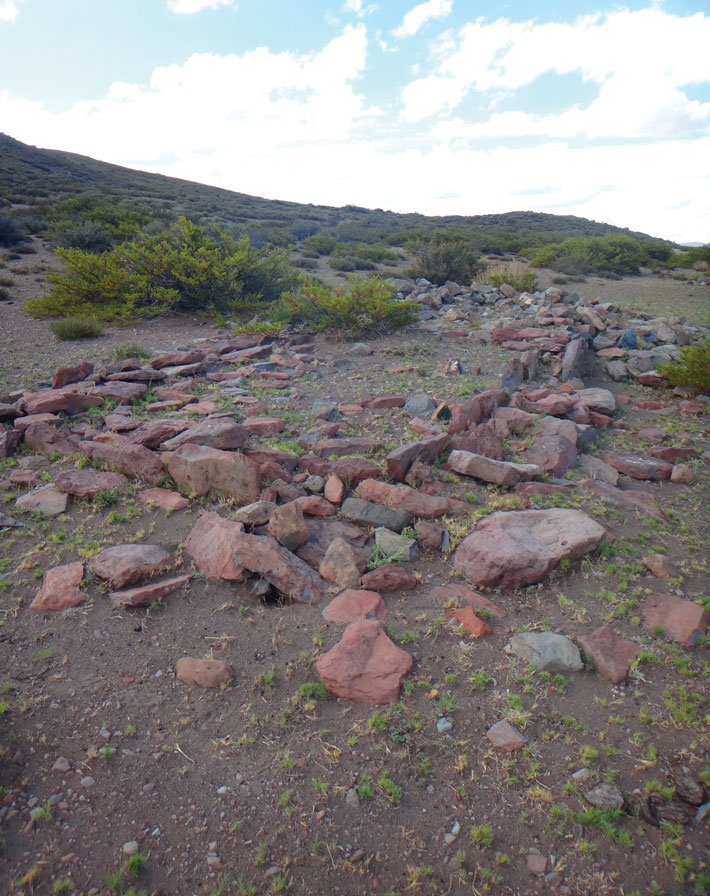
<point x="617" y="370"/>
<point x="395" y="546"/>
<point x="325" y="410"/>
<point x="601" y="400"/>
<point x="420" y="405"/>
<point x="314" y="485"/>
<point x="499" y="471"/>
<point x="366" y="513"/>
<point x="595" y="468"/>
<point x="546" y="651"/>
<point x="575" y="358"/>
<point x="605" y="796"/>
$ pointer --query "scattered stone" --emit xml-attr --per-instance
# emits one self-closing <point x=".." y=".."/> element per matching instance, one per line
<point x="351" y="605"/>
<point x="401" y="459"/>
<point x="682" y="474"/>
<point x="287" y="525"/>
<point x="285" y="571"/>
<point x="205" y="673"/>
<point x="595" y="468"/>
<point x="432" y="536"/>
<point x="537" y="863"/>
<point x="682" y="620"/>
<point x="210" y="544"/>
<point x="368" y="514"/>
<point x="489" y="470"/>
<point x="132" y="460"/>
<point x="394" y="546"/>
<point x="60" y="588"/>
<point x="220" y="432"/>
<point x="334" y="490"/>
<point x="364" y="666"/>
<point x="611" y="653"/>
<point x="660" y="566"/>
<point x="445" y="594"/>
<point x="388" y="578"/>
<point x="420" y="405"/>
<point x="605" y="796"/>
<point x="547" y="651"/>
<point x="474" y="625"/>
<point x="61" y="766"/>
<point x="601" y="400"/>
<point x="521" y="547"/>
<point x="554" y="453"/>
<point x="128" y="563"/>
<point x="402" y="497"/>
<point x="639" y="467"/>
<point x="88" y="483"/>
<point x="64" y="376"/>
<point x="503" y="736"/>
<point x="47" y="500"/>
<point x="46" y="439"/>
<point x="256" y="514"/>
<point x="207" y="470"/>
<point x="164" y="498"/>
<point x="643" y="502"/>
<point x="144" y="595"/>
<point x="340" y="565"/>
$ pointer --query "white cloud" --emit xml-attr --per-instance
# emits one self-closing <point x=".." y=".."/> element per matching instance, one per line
<point x="9" y="10"/>
<point x="417" y="17"/>
<point x="188" y="7"/>
<point x="352" y="6"/>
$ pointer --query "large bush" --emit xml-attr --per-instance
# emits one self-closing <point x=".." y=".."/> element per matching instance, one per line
<point x="365" y="308"/>
<point x="693" y="368"/>
<point x="10" y="234"/>
<point x="610" y="254"/>
<point x="181" y="269"/>
<point x="447" y="258"/>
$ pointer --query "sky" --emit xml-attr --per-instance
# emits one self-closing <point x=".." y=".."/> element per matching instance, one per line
<point x="440" y="107"/>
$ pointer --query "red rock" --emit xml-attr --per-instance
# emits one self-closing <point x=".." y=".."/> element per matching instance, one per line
<point x="599" y="420"/>
<point x="516" y="345"/>
<point x="126" y="564"/>
<point x="175" y="393"/>
<point x="482" y="439"/>
<point x="47" y="500"/>
<point x="23" y="477"/>
<point x="122" y="391"/>
<point x="682" y="620"/>
<point x="285" y="571"/>
<point x="288" y="527"/>
<point x="648" y="405"/>
<point x="639" y="467"/>
<point x="427" y="450"/>
<point x="121" y="422"/>
<point x="692" y="407"/>
<point x="205" y="673"/>
<point x="364" y="666"/>
<point x="516" y="420"/>
<point x="334" y="489"/>
<point x="210" y="545"/>
<point x="682" y="474"/>
<point x="503" y="736"/>
<point x="177" y="359"/>
<point x="9" y="442"/>
<point x="343" y="447"/>
<point x="132" y="460"/>
<point x="386" y="401"/>
<point x="265" y="455"/>
<point x="60" y="588"/>
<point x="145" y="595"/>
<point x="504" y="334"/>
<point x="485" y="468"/>
<point x="348" y="469"/>
<point x="205" y="470"/>
<point x="475" y="627"/>
<point x="88" y="483"/>
<point x="627" y="499"/>
<point x="611" y="653"/>
<point x="263" y="425"/>
<point x="63" y="376"/>
<point x="537" y="863"/>
<point x="651" y="378"/>
<point x="465" y="415"/>
<point x="424" y="427"/>
<point x="429" y="535"/>
<point x="554" y="405"/>
<point x="164" y="498"/>
<point x="446" y="594"/>
<point x="53" y="401"/>
<point x="217" y="432"/>
<point x="668" y="454"/>
<point x="156" y="433"/>
<point x="553" y="453"/>
<point x="350" y="606"/>
<point x="312" y="505"/>
<point x="340" y="565"/>
<point x="387" y="578"/>
<point x="660" y="566"/>
<point x="521" y="547"/>
<point x="351" y="410"/>
<point x="402" y="497"/>
<point x="21" y="424"/>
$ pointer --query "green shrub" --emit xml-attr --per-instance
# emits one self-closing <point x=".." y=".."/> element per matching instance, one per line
<point x="514" y="275"/>
<point x="76" y="328"/>
<point x="350" y="263"/>
<point x="4" y="294"/>
<point x="131" y="350"/>
<point x="87" y="236"/>
<point x="10" y="234"/>
<point x="693" y="368"/>
<point x="322" y="243"/>
<point x="447" y="258"/>
<point x="613" y="253"/>
<point x="367" y="308"/>
<point x="184" y="268"/>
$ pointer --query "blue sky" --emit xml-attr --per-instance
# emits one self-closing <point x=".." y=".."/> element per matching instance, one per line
<point x="440" y="107"/>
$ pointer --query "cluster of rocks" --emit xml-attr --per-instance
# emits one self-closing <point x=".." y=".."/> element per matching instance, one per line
<point x="308" y="534"/>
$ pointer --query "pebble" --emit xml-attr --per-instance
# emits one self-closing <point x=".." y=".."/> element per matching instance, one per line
<point x="351" y="798"/>
<point x="130" y="848"/>
<point x="87" y="781"/>
<point x="443" y="725"/>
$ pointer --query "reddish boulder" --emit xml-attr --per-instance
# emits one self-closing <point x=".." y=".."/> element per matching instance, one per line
<point x="611" y="653"/>
<point x="639" y="467"/>
<point x="60" y="588"/>
<point x="123" y="392"/>
<point x="682" y="474"/>
<point x="206" y="470"/>
<point x="54" y="401"/>
<point x="210" y="545"/>
<point x="341" y="565"/>
<point x="312" y="505"/>
<point x="387" y="578"/>
<point x="289" y="574"/>
<point x="132" y="460"/>
<point x="47" y="439"/>
<point x="47" y="500"/>
<point x="63" y="376"/>
<point x="177" y="359"/>
<point x="475" y="626"/>
<point x="264" y="426"/>
<point x="402" y="497"/>
<point x="287" y="525"/>
<point x="682" y="620"/>
<point x="521" y="547"/>
<point x="364" y="666"/>
<point x="345" y="446"/>
<point x="334" y="489"/>
<point x="144" y="595"/>
<point x="482" y="439"/>
<point x="426" y="450"/>
<point x="88" y="483"/>
<point x="128" y="563"/>
<point x="217" y="432"/>
<point x="553" y="453"/>
<point x="156" y="433"/>
<point x="205" y="673"/>
<point x="505" y="737"/>
<point x="164" y="498"/>
<point x="352" y="605"/>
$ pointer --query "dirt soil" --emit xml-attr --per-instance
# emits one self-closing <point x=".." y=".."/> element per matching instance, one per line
<point x="269" y="786"/>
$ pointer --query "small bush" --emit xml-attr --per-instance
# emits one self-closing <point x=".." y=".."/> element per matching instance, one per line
<point x="693" y="368"/>
<point x="366" y="309"/>
<point x="514" y="275"/>
<point x="76" y="328"/>
<point x="87" y="236"/>
<point x="447" y="258"/>
<point x="122" y="352"/>
<point x="4" y="294"/>
<point x="10" y="234"/>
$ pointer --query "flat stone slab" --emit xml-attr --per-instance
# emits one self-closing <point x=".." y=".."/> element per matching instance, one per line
<point x="364" y="666"/>
<point x="389" y="577"/>
<point x="165" y="498"/>
<point x="627" y="499"/>
<point x="601" y="400"/>
<point x="126" y="564"/>
<point x="682" y="620"/>
<point x="208" y="470"/>
<point x="47" y="500"/>
<point x="357" y="510"/>
<point x="60" y="588"/>
<point x="289" y="574"/>
<point x="144" y="595"/>
<point x="640" y="467"/>
<point x="500" y="472"/>
<point x="210" y="545"/>
<point x="611" y="653"/>
<point x="351" y="605"/>
<point x="88" y="483"/>
<point x="205" y="673"/>
<point x="219" y="432"/>
<point x="547" y="651"/>
<point x="521" y="547"/>
<point x="402" y="497"/>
